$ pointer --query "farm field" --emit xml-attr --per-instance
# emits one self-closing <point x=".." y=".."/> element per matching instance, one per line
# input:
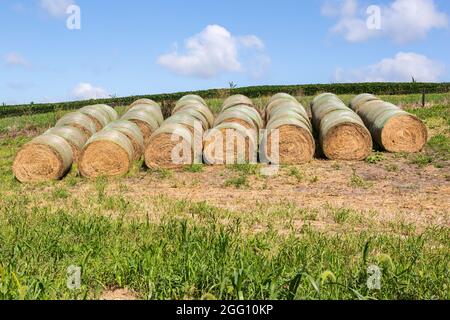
<point x="310" y="232"/>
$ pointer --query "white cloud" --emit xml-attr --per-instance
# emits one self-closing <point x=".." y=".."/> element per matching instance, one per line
<point x="211" y="52"/>
<point x="402" y="68"/>
<point x="56" y="8"/>
<point x="86" y="91"/>
<point x="16" y="60"/>
<point x="401" y="20"/>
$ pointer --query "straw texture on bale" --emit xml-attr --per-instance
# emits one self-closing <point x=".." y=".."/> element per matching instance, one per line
<point x="288" y="132"/>
<point x="341" y="132"/>
<point x="111" y="113"/>
<point x="80" y="121"/>
<point x="108" y="153"/>
<point x="198" y="107"/>
<point x="187" y="120"/>
<point x="392" y="128"/>
<point x="154" y="110"/>
<point x="144" y="120"/>
<point x="282" y="95"/>
<point x="172" y="146"/>
<point x="98" y="116"/>
<point x="235" y="100"/>
<point x="133" y="133"/>
<point x="47" y="157"/>
<point x="74" y="136"/>
<point x="236" y="115"/>
<point x="249" y="111"/>
<point x="230" y="143"/>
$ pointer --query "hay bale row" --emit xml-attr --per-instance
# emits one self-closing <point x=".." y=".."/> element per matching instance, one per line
<point x="288" y="139"/>
<point x="51" y="155"/>
<point x="235" y="135"/>
<point x="341" y="132"/>
<point x="392" y="128"/>
<point x="179" y="140"/>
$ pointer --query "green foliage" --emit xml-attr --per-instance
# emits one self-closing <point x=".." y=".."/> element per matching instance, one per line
<point x="375" y="158"/>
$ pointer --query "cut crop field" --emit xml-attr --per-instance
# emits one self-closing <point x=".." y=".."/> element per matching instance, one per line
<point x="229" y="232"/>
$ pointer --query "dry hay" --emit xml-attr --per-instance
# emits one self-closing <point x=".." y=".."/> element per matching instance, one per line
<point x="230" y="143"/>
<point x="404" y="133"/>
<point x="108" y="110"/>
<point x="47" y="157"/>
<point x="238" y="116"/>
<point x="98" y="116"/>
<point x="74" y="136"/>
<point x="193" y="97"/>
<point x="292" y="139"/>
<point x="392" y="128"/>
<point x="133" y="133"/>
<point x="109" y="153"/>
<point x="142" y="101"/>
<point x="248" y="111"/>
<point x="235" y="100"/>
<point x="172" y="146"/>
<point x="80" y="121"/>
<point x="153" y="110"/>
<point x="283" y="96"/>
<point x="198" y="116"/>
<point x="194" y="108"/>
<point x="144" y="120"/>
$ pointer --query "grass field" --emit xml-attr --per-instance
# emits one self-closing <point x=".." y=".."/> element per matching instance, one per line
<point x="312" y="232"/>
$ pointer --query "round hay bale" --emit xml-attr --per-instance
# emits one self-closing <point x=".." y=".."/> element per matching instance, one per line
<point x="342" y="133"/>
<point x="236" y="100"/>
<point x="144" y="120"/>
<point x="112" y="114"/>
<point x="203" y="109"/>
<point x="172" y="146"/>
<point x="284" y="96"/>
<point x="47" y="157"/>
<point x="74" y="136"/>
<point x="98" y="116"/>
<point x="154" y="110"/>
<point x="290" y="113"/>
<point x="251" y="112"/>
<point x="236" y="115"/>
<point x="361" y="99"/>
<point x="196" y="115"/>
<point x="193" y="97"/>
<point x="80" y="121"/>
<point x="190" y="122"/>
<point x="108" y="153"/>
<point x="133" y="133"/>
<point x="294" y="142"/>
<point x="230" y="143"/>
<point x="281" y="104"/>
<point x="142" y="101"/>
<point x="392" y="128"/>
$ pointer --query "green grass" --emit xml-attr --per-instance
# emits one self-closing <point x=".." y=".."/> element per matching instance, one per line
<point x="357" y="181"/>
<point x="180" y="259"/>
<point x="239" y="182"/>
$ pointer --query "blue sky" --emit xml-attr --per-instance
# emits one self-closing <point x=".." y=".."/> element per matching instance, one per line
<point x="141" y="47"/>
